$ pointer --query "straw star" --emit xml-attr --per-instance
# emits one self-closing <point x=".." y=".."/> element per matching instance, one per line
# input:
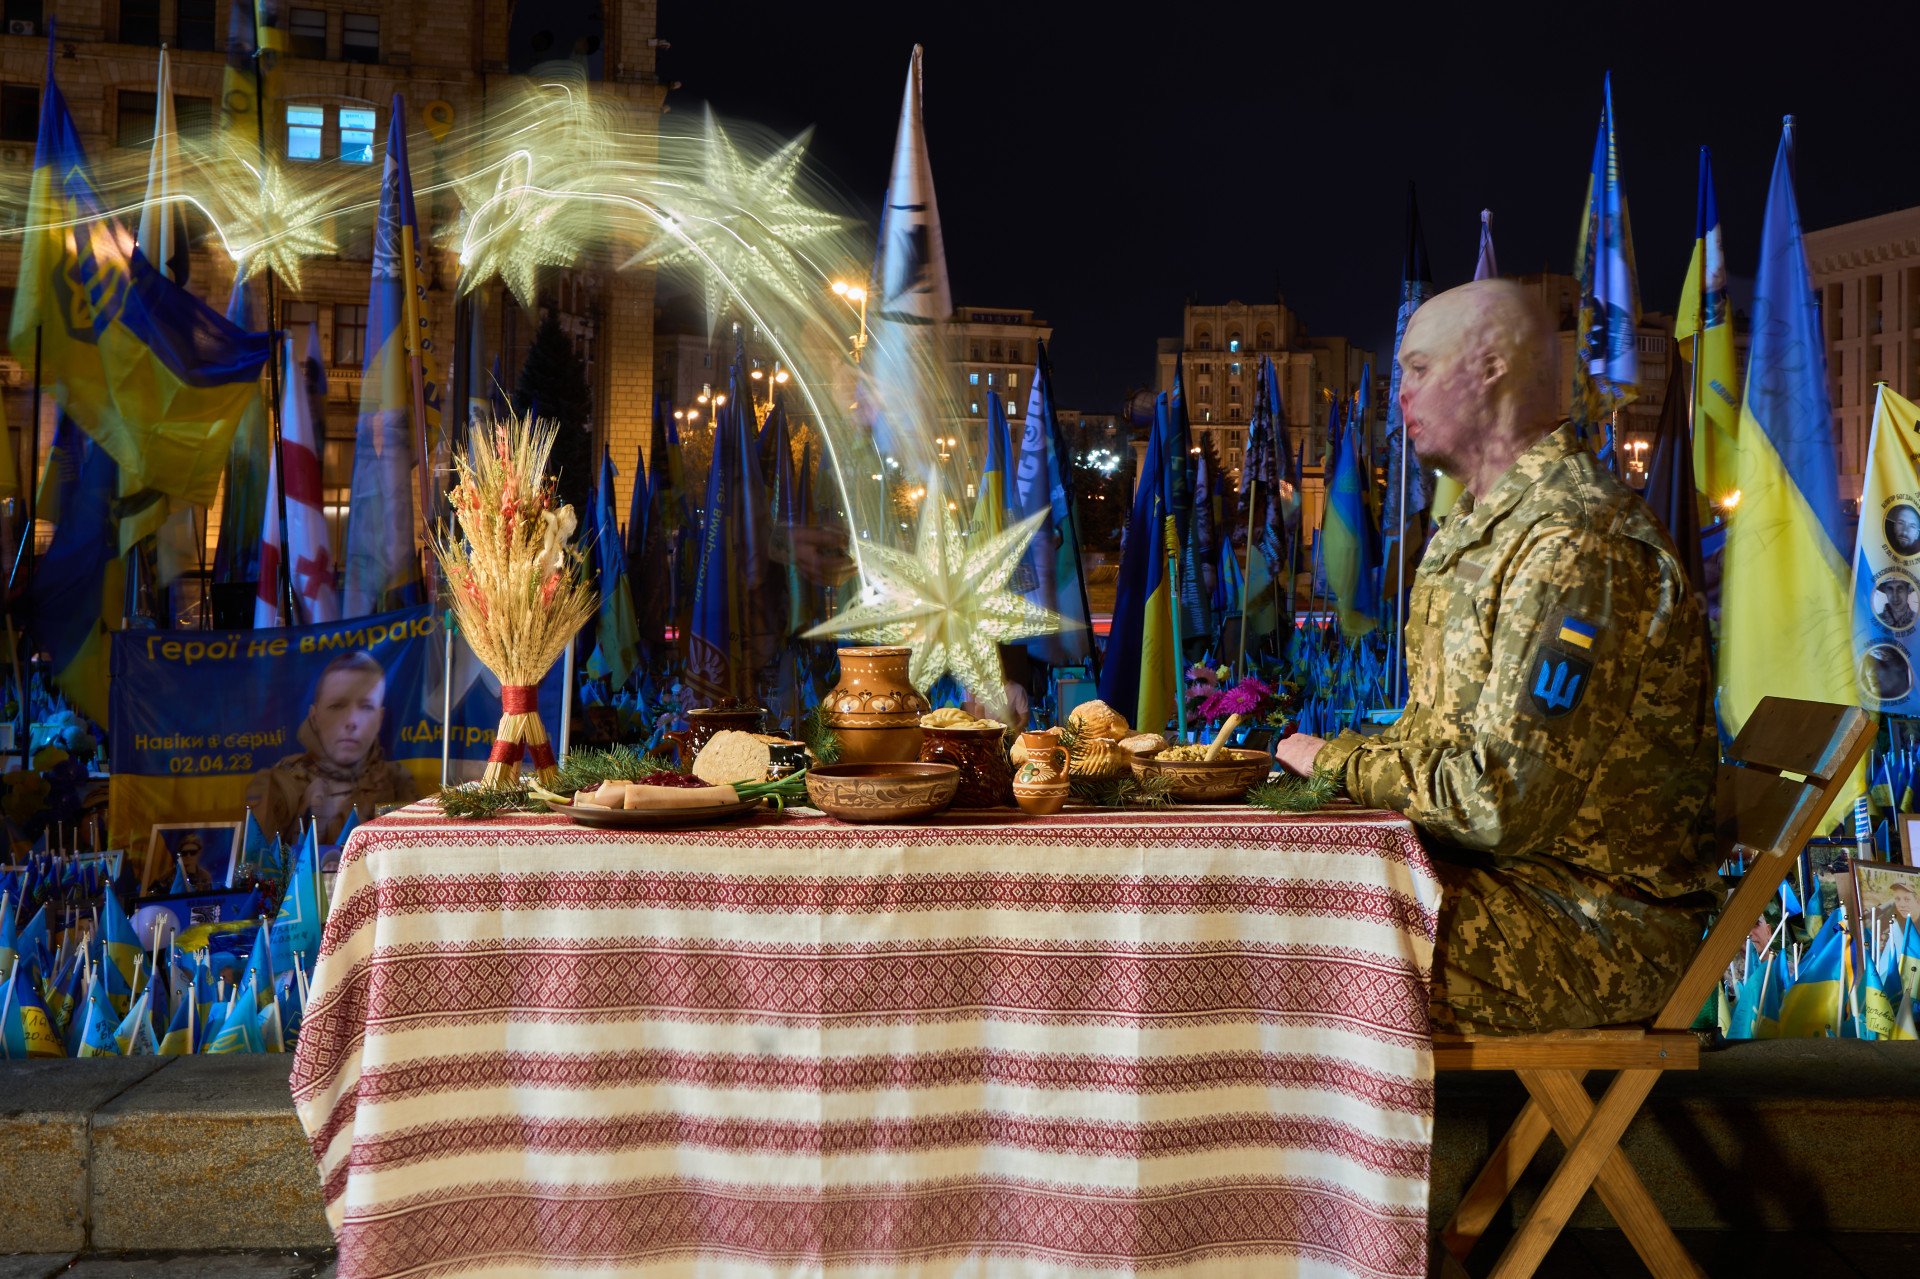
<point x="950" y="604"/>
<point x="274" y="226"/>
<point x="742" y="225"/>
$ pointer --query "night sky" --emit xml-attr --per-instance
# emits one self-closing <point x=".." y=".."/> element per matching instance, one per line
<point x="1101" y="166"/>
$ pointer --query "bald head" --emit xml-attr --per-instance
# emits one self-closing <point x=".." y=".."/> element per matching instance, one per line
<point x="1477" y="386"/>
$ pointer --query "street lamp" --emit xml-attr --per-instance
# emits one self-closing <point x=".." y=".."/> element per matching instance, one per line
<point x="856" y="297"/>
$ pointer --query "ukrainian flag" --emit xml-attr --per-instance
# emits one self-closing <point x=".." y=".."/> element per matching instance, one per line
<point x="1884" y="639"/>
<point x="26" y="1028"/>
<point x="1351" y="540"/>
<point x="990" y="498"/>
<point x="1606" y="371"/>
<point x="1785" y="628"/>
<point x="1577" y="633"/>
<point x="1811" y="1007"/>
<point x="123" y="948"/>
<point x="178" y="1041"/>
<point x="1703" y="329"/>
<point x="1139" y="675"/>
<point x="156" y="377"/>
<point x="383" y="567"/>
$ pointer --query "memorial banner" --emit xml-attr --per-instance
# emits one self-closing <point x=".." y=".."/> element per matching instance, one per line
<point x="196" y="716"/>
<point x="1886" y="562"/>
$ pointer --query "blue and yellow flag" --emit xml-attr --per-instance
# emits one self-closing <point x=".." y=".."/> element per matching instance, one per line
<point x="178" y="1041"/>
<point x="383" y="567"/>
<point x="1139" y="676"/>
<point x="616" y="637"/>
<point x="990" y="495"/>
<point x="239" y="1029"/>
<point x="1886" y="562"/>
<point x="1194" y="621"/>
<point x="1606" y="364"/>
<point x="157" y="378"/>
<point x="1785" y="628"/>
<point x="243" y="508"/>
<point x="1043" y="484"/>
<point x="98" y="1022"/>
<point x="251" y="86"/>
<point x="1703" y="330"/>
<point x="1812" y="1005"/>
<point x="1350" y="540"/>
<point x="134" y="1035"/>
<point x="26" y="1028"/>
<point x="123" y="949"/>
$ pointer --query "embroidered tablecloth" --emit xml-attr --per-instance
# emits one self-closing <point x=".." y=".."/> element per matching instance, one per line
<point x="1191" y="1041"/>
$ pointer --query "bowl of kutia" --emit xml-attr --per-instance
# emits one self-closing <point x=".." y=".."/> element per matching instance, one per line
<point x="1221" y="780"/>
<point x="882" y="792"/>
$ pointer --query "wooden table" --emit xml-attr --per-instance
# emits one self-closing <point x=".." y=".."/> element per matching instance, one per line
<point x="1099" y="1043"/>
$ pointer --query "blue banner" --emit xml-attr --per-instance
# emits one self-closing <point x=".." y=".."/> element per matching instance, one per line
<point x="195" y="716"/>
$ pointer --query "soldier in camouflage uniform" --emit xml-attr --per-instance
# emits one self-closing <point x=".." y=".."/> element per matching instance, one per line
<point x="1558" y="749"/>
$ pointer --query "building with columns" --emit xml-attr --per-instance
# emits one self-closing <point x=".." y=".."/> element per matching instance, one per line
<point x="1868" y="276"/>
<point x="346" y="59"/>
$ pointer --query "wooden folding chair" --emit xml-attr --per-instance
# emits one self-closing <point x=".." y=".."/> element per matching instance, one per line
<point x="1784" y="772"/>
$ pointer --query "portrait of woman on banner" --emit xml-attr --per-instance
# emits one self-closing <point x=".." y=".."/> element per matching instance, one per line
<point x="341" y="766"/>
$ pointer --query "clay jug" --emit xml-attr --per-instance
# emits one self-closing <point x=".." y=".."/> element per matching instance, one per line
<point x="874" y="711"/>
<point x="986" y="775"/>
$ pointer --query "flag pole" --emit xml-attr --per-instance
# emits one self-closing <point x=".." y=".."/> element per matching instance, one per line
<point x="279" y="496"/>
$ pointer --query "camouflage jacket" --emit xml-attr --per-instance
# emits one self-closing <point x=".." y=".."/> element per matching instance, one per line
<point x="1560" y="698"/>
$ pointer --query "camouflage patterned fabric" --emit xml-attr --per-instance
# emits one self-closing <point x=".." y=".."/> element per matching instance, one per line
<point x="1557" y="752"/>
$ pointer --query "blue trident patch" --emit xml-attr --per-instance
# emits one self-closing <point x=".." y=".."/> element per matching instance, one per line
<point x="1557" y="681"/>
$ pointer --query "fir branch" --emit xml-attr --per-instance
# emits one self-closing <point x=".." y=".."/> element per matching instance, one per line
<point x="473" y="802"/>
<point x="820" y="739"/>
<point x="586" y="768"/>
<point x="1295" y="794"/>
<point x="1124" y="791"/>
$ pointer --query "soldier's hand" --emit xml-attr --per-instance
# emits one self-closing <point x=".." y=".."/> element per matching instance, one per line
<point x="1297" y="753"/>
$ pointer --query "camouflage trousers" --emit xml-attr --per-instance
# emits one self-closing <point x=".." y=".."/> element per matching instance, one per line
<point x="1537" y="945"/>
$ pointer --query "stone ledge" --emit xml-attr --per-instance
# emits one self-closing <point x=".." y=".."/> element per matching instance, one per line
<point x="155" y="1187"/>
<point x="1769" y="1135"/>
<point x="46" y="1109"/>
<point x="195" y="1153"/>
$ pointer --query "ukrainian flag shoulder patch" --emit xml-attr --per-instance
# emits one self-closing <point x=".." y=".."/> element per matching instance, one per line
<point x="1577" y="633"/>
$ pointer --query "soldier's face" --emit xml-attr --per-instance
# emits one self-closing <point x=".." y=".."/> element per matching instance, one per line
<point x="1444" y="392"/>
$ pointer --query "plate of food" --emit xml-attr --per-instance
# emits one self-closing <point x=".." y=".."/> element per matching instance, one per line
<point x="735" y="774"/>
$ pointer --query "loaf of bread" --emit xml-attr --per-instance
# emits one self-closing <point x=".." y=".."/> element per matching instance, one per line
<point x="731" y="756"/>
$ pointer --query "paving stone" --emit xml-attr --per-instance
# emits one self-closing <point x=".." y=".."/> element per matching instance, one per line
<point x="45" y="1107"/>
<point x="33" y="1265"/>
<point x="206" y="1154"/>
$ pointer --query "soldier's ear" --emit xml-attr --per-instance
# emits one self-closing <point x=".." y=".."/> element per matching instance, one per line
<point x="1493" y="367"/>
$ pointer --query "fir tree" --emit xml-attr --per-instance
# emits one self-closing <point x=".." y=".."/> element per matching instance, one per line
<point x="553" y="386"/>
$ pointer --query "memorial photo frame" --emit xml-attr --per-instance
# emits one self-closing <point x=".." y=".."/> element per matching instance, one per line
<point x="212" y="850"/>
<point x="1882" y="890"/>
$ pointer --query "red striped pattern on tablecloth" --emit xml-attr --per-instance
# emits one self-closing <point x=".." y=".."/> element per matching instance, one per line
<point x="1214" y="1226"/>
<point x="1107" y="1043"/>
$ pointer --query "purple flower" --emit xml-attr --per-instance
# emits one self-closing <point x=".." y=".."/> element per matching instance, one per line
<point x="1244" y="699"/>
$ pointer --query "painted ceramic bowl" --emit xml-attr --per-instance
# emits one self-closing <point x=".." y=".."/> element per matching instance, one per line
<point x="1208" y="781"/>
<point x="890" y="792"/>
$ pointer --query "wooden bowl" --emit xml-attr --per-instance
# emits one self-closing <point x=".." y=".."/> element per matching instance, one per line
<point x="891" y="792"/>
<point x="1208" y="781"/>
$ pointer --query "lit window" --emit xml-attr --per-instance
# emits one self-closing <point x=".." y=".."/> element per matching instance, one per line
<point x="360" y="37"/>
<point x="304" y="126"/>
<point x="1236" y="368"/>
<point x="989" y="379"/>
<point x="1233" y="343"/>
<point x="974" y="408"/>
<point x="973" y="379"/>
<point x="356" y="135"/>
<point x="1013" y="381"/>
